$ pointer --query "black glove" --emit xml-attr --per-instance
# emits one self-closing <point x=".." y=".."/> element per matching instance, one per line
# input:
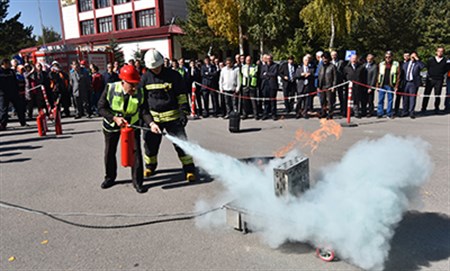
<point x="183" y="119"/>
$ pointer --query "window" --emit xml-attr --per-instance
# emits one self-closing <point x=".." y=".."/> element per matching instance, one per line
<point x="87" y="27"/>
<point x="104" y="25"/>
<point x="117" y="2"/>
<point x="102" y="3"/>
<point x="85" y="5"/>
<point x="146" y="18"/>
<point x="124" y="21"/>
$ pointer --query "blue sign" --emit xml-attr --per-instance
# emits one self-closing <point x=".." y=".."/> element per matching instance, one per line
<point x="349" y="54"/>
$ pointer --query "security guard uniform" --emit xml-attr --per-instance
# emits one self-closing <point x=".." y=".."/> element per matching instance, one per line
<point x="168" y="105"/>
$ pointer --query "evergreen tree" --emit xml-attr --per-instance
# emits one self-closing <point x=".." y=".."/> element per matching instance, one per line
<point x="114" y="48"/>
<point x="14" y="36"/>
<point x="49" y="35"/>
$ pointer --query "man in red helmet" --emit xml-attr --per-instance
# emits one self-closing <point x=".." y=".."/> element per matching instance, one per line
<point x="120" y="104"/>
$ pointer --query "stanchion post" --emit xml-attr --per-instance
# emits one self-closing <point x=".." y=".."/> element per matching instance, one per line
<point x="348" y="123"/>
<point x="193" y="99"/>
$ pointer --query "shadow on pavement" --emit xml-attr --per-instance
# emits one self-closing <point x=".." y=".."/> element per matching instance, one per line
<point x="82" y="120"/>
<point x="9" y="154"/>
<point x="249" y="130"/>
<point x="18" y="132"/>
<point x="82" y="132"/>
<point x="34" y="139"/>
<point x="421" y="238"/>
<point x="24" y="147"/>
<point x="17" y="160"/>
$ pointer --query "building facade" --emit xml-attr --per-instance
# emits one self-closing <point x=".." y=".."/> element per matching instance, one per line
<point x="136" y="25"/>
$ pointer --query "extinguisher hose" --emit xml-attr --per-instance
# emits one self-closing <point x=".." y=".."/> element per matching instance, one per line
<point x="56" y="216"/>
<point x="143" y="128"/>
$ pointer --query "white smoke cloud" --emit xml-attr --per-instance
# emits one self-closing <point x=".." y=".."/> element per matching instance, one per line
<point x="353" y="209"/>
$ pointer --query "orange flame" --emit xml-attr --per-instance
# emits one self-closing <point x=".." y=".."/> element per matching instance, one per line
<point x="327" y="128"/>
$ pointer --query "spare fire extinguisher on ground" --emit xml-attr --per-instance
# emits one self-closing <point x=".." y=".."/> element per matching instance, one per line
<point x="56" y="113"/>
<point x="41" y="122"/>
<point x="127" y="146"/>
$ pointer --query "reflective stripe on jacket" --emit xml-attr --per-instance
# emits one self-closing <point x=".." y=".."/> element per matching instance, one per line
<point x="393" y="75"/>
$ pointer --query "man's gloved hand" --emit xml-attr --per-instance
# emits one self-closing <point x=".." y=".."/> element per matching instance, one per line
<point x="183" y="119"/>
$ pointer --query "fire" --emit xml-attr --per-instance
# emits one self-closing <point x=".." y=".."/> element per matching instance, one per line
<point x="312" y="140"/>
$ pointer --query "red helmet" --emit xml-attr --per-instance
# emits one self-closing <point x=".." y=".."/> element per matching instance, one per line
<point x="128" y="73"/>
<point x="83" y="62"/>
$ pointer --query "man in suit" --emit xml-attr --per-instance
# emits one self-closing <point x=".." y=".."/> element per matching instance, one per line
<point x="269" y="77"/>
<point x="305" y="84"/>
<point x="342" y="93"/>
<point x="208" y="73"/>
<point x="354" y="72"/>
<point x="287" y="72"/>
<point x="401" y="87"/>
<point x="195" y="76"/>
<point x="370" y="74"/>
<point x="412" y="70"/>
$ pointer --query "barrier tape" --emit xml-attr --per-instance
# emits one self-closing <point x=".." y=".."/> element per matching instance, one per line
<point x="270" y="99"/>
<point x="401" y="93"/>
<point x="23" y="92"/>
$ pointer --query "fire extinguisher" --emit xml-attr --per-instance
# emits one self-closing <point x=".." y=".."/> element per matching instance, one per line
<point x="41" y="124"/>
<point x="127" y="146"/>
<point x="57" y="117"/>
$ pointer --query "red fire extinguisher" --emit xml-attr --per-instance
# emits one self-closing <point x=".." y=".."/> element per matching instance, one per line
<point x="127" y="146"/>
<point x="41" y="124"/>
<point x="57" y="117"/>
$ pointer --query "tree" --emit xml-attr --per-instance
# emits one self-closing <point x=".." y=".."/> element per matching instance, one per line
<point x="199" y="37"/>
<point x="223" y="16"/>
<point x="14" y="36"/>
<point x="114" y="48"/>
<point x="332" y="17"/>
<point x="137" y="54"/>
<point x="49" y="35"/>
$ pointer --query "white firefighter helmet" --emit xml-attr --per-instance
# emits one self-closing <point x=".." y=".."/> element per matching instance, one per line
<point x="153" y="59"/>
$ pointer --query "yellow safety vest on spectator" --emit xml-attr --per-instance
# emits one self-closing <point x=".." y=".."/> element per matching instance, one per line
<point x="393" y="74"/>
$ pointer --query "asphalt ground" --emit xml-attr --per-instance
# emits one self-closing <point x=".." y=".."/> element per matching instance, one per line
<point x="63" y="174"/>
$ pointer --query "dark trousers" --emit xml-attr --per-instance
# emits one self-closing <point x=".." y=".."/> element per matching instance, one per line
<point x="437" y="85"/>
<point x="288" y="91"/>
<point x="82" y="104"/>
<point x="327" y="100"/>
<point x="447" y="93"/>
<point x="36" y="99"/>
<point x="205" y="96"/>
<point x="111" y="142"/>
<point x="270" y="106"/>
<point x="409" y="102"/>
<point x="398" y="98"/>
<point x="370" y="101"/>
<point x="17" y="102"/>
<point x="359" y="100"/>
<point x="63" y="100"/>
<point x="249" y="102"/>
<point x="303" y="103"/>
<point x="343" y="99"/>
<point x="153" y="141"/>
<point x="94" y="100"/>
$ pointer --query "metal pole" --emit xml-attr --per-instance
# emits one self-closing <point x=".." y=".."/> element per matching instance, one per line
<point x="42" y="24"/>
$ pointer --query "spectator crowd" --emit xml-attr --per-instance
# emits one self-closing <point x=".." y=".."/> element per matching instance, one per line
<point x="244" y="85"/>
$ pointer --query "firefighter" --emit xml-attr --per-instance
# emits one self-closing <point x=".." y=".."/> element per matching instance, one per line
<point x="123" y="103"/>
<point x="166" y="94"/>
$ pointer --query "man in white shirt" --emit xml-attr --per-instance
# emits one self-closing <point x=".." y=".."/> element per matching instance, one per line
<point x="229" y="83"/>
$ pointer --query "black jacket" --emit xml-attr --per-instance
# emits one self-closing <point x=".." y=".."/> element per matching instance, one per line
<point x="269" y="75"/>
<point x="162" y="99"/>
<point x="8" y="82"/>
<point x="327" y="76"/>
<point x="284" y="71"/>
<point x="371" y="74"/>
<point x="209" y="76"/>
